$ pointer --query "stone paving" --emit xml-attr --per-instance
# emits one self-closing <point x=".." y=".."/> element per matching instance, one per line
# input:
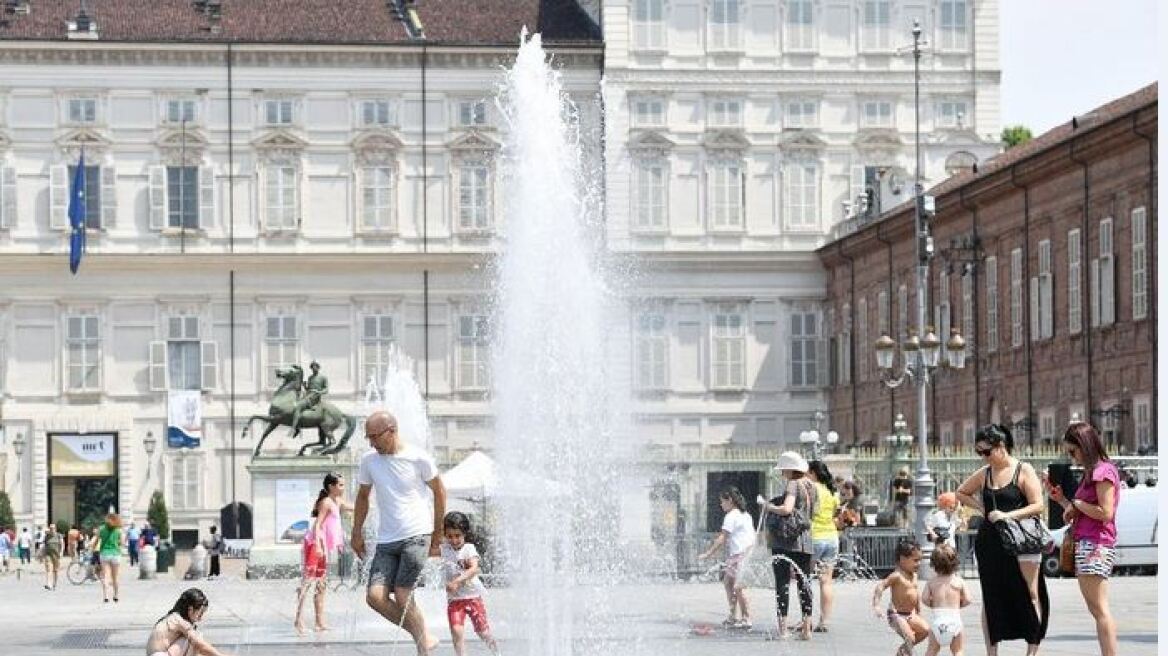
<point x="254" y="618"/>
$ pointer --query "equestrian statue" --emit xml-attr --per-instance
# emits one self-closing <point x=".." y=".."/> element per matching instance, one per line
<point x="299" y="404"/>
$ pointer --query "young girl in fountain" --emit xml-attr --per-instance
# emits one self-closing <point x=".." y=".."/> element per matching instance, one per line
<point x="464" y="590"/>
<point x="176" y="634"/>
<point x="738" y="535"/>
<point x="946" y="594"/>
<point x="903" y="612"/>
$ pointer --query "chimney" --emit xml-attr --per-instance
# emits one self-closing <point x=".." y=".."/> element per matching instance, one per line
<point x="82" y="26"/>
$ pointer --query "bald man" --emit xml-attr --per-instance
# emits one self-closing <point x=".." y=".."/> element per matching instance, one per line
<point x="406" y="533"/>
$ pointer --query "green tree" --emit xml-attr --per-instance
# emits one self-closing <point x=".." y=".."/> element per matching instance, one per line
<point x="6" y="518"/>
<point x="158" y="516"/>
<point x="1015" y="135"/>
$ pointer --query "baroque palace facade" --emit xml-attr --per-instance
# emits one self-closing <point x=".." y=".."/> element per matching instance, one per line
<point x="266" y="190"/>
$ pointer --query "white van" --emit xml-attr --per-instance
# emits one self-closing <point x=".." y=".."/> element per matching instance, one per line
<point x="1136" y="524"/>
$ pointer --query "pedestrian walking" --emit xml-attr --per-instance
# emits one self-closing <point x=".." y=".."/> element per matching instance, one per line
<point x="6" y="547"/>
<point x="1015" y="604"/>
<point x="149" y="536"/>
<point x="1091" y="514"/>
<point x="52" y="556"/>
<point x="901" y="491"/>
<point x="464" y="589"/>
<point x="406" y="534"/>
<point x="214" y="546"/>
<point x="825" y="543"/>
<point x="738" y="536"/>
<point x="177" y="633"/>
<point x="323" y="541"/>
<point x="73" y="540"/>
<point x="133" y="535"/>
<point x="109" y="548"/>
<point x="38" y="543"/>
<point x="24" y="546"/>
<point x="789" y="534"/>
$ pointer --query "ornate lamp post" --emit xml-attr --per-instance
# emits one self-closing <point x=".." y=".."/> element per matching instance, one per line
<point x="149" y="443"/>
<point x="18" y="451"/>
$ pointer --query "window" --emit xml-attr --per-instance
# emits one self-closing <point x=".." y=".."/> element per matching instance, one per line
<point x="180" y="111"/>
<point x="967" y="310"/>
<point x="1139" y="232"/>
<point x="1142" y="418"/>
<point x="472" y="352"/>
<point x="92" y="195"/>
<point x="649" y="198"/>
<point x="991" y="304"/>
<point x="82" y="111"/>
<point x="376" y="113"/>
<point x="1046" y="426"/>
<point x="726" y="195"/>
<point x="283" y="210"/>
<point x="725" y="25"/>
<point x="83" y="353"/>
<point x="953" y="32"/>
<point x="876" y="32"/>
<point x="902" y="314"/>
<point x="802" y="114"/>
<point x="182" y="194"/>
<point x="800" y="26"/>
<point x="282" y="345"/>
<point x="474" y="205"/>
<point x="804" y="349"/>
<point x="1016" y="297"/>
<point x="377" y="198"/>
<point x="725" y="113"/>
<point x="844" y="357"/>
<point x="652" y="349"/>
<point x="185" y="472"/>
<point x="1103" y="278"/>
<point x="648" y="113"/>
<point x="862" y="339"/>
<point x="800" y="196"/>
<point x="377" y="337"/>
<point x="947" y="434"/>
<point x="472" y="113"/>
<point x="729" y="349"/>
<point x="876" y="114"/>
<point x="649" y="24"/>
<point x="968" y="432"/>
<point x="1074" y="282"/>
<point x="1041" y="296"/>
<point x="278" y="112"/>
<point x="884" y="311"/>
<point x="952" y="114"/>
<point x="183" y="356"/>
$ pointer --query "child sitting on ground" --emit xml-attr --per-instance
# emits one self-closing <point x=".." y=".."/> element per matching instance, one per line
<point x="176" y="634"/>
<point x="946" y="594"/>
<point x="464" y="590"/>
<point x="903" y="612"/>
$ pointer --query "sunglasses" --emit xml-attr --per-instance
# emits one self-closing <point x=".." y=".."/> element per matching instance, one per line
<point x="984" y="452"/>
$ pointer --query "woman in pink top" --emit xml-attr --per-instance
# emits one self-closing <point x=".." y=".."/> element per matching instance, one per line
<point x="323" y="539"/>
<point x="1093" y="512"/>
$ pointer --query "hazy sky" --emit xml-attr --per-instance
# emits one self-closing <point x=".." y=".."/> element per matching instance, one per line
<point x="1066" y="57"/>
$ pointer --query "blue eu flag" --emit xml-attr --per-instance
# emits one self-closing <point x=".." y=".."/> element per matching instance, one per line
<point x="77" y="216"/>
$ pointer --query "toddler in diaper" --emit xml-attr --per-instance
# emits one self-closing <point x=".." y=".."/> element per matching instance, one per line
<point x="946" y="594"/>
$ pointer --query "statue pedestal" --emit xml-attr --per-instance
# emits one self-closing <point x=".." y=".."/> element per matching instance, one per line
<point x="283" y="490"/>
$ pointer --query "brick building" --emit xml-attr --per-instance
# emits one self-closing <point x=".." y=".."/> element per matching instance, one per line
<point x="1045" y="261"/>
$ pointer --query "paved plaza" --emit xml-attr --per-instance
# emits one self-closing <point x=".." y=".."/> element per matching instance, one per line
<point x="255" y="618"/>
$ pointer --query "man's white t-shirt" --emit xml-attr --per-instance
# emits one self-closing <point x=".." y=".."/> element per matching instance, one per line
<point x="400" y="482"/>
<point x="24" y="541"/>
<point x="454" y="563"/>
<point x="741" y="529"/>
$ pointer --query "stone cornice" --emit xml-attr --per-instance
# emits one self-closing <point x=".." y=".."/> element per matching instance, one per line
<point x="661" y="81"/>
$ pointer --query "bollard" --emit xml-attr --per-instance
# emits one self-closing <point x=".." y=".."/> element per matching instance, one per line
<point x="198" y="568"/>
<point x="147" y="562"/>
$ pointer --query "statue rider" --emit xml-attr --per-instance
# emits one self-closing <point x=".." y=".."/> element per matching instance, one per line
<point x="315" y="388"/>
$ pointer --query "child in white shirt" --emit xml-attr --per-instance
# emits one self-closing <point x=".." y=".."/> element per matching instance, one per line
<point x="738" y="535"/>
<point x="464" y="590"/>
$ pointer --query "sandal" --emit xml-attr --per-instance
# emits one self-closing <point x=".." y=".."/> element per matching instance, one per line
<point x="729" y="622"/>
<point x="820" y="629"/>
<point x="743" y="624"/>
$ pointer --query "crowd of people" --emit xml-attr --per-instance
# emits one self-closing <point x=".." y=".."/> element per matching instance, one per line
<point x="805" y="522"/>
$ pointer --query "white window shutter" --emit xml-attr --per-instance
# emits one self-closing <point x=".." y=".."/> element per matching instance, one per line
<point x="206" y="197"/>
<point x="1047" y="304"/>
<point x="7" y="197"/>
<point x="822" y="375"/>
<point x="59" y="197"/>
<point x="209" y="359"/>
<point x="1034" y="309"/>
<point x="158" y="197"/>
<point x="158" y="366"/>
<point x="301" y="195"/>
<point x="1094" y="287"/>
<point x="109" y="196"/>
<point x="1107" y="292"/>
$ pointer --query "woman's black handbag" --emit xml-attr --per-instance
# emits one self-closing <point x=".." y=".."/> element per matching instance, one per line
<point x="1022" y="537"/>
<point x="788" y="528"/>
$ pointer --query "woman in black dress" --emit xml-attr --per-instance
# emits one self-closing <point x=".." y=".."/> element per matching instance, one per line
<point x="1014" y="599"/>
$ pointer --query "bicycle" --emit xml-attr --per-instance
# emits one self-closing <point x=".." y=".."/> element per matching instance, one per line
<point x="82" y="570"/>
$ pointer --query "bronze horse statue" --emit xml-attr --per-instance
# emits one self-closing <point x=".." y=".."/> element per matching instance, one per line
<point x="325" y="417"/>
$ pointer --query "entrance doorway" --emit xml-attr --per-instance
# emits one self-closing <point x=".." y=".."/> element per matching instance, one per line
<point x="83" y="482"/>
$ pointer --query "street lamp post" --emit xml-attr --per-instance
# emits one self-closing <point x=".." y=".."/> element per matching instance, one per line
<point x="921" y="354"/>
<point x="18" y="451"/>
<point x="813" y="437"/>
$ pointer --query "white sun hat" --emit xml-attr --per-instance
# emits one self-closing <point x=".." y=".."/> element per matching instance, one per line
<point x="791" y="460"/>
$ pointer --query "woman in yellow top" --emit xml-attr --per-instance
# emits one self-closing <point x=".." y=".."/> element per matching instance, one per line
<point x="824" y="537"/>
